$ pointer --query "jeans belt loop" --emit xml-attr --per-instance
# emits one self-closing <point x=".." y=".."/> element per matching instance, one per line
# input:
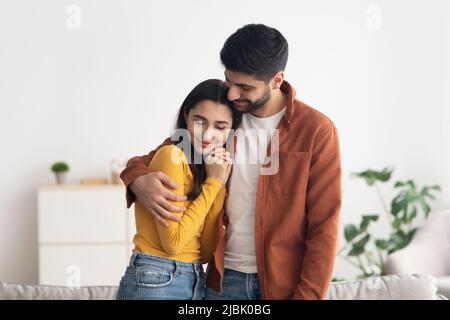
<point x="133" y="257"/>
<point x="176" y="267"/>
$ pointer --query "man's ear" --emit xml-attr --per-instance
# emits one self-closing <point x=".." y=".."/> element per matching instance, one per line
<point x="277" y="80"/>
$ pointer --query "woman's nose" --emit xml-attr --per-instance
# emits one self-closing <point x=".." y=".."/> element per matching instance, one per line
<point x="208" y="135"/>
<point x="211" y="135"/>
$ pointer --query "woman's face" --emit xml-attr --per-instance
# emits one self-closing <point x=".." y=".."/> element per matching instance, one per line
<point x="209" y="124"/>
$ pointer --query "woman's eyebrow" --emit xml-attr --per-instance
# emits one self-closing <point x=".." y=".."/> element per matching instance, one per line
<point x="199" y="116"/>
<point x="222" y="122"/>
<point x="203" y="118"/>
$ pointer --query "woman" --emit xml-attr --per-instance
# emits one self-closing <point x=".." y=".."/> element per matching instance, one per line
<point x="167" y="261"/>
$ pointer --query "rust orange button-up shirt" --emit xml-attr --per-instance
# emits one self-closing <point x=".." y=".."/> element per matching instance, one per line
<point x="297" y="209"/>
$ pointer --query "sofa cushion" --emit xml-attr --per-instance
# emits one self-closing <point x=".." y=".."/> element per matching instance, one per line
<point x="443" y="284"/>
<point x="401" y="287"/>
<point x="9" y="291"/>
<point x="395" y="287"/>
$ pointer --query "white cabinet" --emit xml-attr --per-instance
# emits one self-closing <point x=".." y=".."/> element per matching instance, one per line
<point x="85" y="234"/>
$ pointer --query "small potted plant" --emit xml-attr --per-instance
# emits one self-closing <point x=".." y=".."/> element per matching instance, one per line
<point x="60" y="169"/>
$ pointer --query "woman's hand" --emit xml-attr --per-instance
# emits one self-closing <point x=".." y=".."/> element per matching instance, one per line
<point x="218" y="164"/>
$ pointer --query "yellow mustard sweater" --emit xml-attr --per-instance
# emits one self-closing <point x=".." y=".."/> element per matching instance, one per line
<point x="192" y="239"/>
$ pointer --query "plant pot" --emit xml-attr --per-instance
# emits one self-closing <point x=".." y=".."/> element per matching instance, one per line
<point x="61" y="177"/>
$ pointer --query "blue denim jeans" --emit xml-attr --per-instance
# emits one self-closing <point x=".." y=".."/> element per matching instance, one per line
<point x="153" y="278"/>
<point x="236" y="286"/>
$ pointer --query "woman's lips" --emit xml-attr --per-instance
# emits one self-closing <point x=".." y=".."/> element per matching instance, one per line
<point x="205" y="144"/>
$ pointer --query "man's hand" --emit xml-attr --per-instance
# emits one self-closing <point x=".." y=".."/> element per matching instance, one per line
<point x="151" y="191"/>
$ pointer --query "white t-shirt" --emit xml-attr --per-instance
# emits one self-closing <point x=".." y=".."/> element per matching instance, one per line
<point x="251" y="148"/>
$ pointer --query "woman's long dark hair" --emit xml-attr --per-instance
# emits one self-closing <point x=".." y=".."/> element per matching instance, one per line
<point x="212" y="90"/>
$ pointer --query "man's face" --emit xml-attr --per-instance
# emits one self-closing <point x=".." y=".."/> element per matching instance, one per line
<point x="247" y="93"/>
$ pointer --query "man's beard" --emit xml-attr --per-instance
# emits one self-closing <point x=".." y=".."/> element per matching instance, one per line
<point x="259" y="103"/>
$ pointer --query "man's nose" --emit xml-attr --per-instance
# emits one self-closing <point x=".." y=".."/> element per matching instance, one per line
<point x="233" y="93"/>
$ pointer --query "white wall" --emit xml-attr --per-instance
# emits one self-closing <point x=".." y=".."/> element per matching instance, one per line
<point x="111" y="89"/>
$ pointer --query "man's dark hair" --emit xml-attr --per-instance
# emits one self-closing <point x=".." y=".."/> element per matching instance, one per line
<point x="257" y="50"/>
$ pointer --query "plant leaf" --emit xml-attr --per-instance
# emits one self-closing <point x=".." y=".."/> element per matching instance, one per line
<point x="381" y="244"/>
<point x="362" y="243"/>
<point x="397" y="241"/>
<point x="398" y="204"/>
<point x="411" y="215"/>
<point x="411" y="234"/>
<point x="366" y="221"/>
<point x="425" y="207"/>
<point x="396" y="224"/>
<point x="399" y="184"/>
<point x="371" y="176"/>
<point x="384" y="175"/>
<point x="356" y="251"/>
<point x="350" y="232"/>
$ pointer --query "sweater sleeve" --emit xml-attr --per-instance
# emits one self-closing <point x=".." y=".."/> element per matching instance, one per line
<point x="136" y="167"/>
<point x="209" y="230"/>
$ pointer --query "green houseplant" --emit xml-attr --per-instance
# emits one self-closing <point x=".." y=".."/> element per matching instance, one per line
<point x="60" y="169"/>
<point x="369" y="254"/>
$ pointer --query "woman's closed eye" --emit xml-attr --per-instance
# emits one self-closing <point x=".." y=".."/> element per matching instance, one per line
<point x="199" y="122"/>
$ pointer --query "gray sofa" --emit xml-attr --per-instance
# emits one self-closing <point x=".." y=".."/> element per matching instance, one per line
<point x="395" y="287"/>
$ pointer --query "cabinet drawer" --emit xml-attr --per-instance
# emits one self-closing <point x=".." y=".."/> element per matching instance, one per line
<point x="87" y="265"/>
<point x="81" y="216"/>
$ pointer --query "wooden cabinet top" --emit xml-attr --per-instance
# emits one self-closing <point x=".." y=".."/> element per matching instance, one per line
<point x="79" y="187"/>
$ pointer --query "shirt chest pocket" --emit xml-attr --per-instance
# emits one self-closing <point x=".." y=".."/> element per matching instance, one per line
<point x="293" y="173"/>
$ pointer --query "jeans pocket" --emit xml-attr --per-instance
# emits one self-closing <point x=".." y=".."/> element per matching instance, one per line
<point x="153" y="278"/>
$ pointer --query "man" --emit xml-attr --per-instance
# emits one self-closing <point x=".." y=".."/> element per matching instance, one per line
<point x="277" y="234"/>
